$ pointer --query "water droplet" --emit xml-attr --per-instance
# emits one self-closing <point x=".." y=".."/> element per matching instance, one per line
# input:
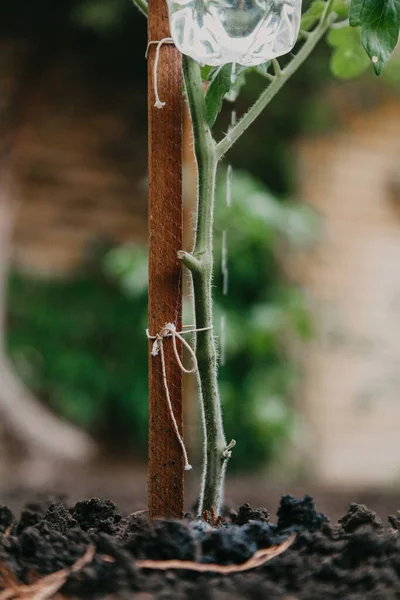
<point x="222" y="340"/>
<point x="228" y="195"/>
<point x="224" y="263"/>
<point x="233" y="123"/>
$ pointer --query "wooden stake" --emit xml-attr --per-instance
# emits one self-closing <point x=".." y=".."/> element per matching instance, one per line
<point x="165" y="289"/>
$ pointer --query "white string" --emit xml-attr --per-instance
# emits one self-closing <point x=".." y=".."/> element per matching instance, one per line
<point x="169" y="330"/>
<point x="158" y="103"/>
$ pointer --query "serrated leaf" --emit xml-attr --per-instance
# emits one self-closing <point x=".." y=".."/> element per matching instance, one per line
<point x="218" y="88"/>
<point x="312" y="15"/>
<point x="348" y="57"/>
<point x="224" y="84"/>
<point x="380" y="24"/>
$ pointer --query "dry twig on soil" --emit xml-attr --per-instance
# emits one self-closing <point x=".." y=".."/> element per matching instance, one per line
<point x="259" y="558"/>
<point x="44" y="588"/>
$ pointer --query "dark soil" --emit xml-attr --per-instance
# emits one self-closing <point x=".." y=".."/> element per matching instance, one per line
<point x="356" y="558"/>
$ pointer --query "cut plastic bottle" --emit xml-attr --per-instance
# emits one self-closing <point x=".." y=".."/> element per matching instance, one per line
<point x="248" y="32"/>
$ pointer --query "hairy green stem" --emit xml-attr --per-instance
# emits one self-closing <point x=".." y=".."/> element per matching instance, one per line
<point x="216" y="457"/>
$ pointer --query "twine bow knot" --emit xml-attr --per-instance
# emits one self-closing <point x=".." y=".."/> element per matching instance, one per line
<point x="169" y="331"/>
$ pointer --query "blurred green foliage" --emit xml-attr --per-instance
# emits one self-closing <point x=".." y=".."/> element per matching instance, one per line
<point x="80" y="345"/>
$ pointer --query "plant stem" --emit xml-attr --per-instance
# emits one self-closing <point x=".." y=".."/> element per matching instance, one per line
<point x="279" y="81"/>
<point x="142" y="6"/>
<point x="216" y="457"/>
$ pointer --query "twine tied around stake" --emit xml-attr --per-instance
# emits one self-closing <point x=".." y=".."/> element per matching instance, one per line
<point x="158" y="103"/>
<point x="169" y="331"/>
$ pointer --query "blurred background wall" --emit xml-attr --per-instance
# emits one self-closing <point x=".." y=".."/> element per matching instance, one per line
<point x="352" y="383"/>
<point x="311" y="348"/>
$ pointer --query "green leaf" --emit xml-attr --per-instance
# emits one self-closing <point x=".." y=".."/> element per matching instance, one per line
<point x="380" y="24"/>
<point x="218" y="88"/>
<point x="348" y="58"/>
<point x="355" y="13"/>
<point x="206" y="71"/>
<point x="223" y="85"/>
<point x="312" y="15"/>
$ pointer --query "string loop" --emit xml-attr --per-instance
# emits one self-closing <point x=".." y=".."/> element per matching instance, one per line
<point x="169" y="331"/>
<point x="158" y="103"/>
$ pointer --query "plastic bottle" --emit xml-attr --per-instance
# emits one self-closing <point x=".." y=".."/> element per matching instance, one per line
<point x="247" y="32"/>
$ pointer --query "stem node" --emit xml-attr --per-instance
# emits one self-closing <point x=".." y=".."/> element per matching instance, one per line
<point x="190" y="261"/>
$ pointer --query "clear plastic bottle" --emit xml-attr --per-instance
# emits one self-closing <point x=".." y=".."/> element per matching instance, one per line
<point x="248" y="32"/>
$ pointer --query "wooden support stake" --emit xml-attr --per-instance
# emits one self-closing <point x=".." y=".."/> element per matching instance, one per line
<point x="165" y="482"/>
